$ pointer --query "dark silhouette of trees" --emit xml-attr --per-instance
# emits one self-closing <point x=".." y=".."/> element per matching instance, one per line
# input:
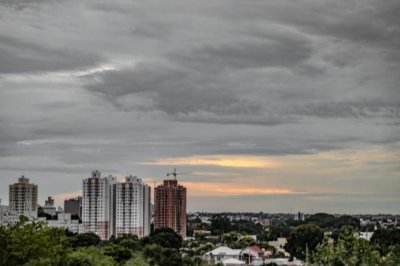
<point x="303" y="239"/>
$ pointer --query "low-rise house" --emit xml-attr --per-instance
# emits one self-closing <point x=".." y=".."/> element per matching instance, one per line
<point x="279" y="245"/>
<point x="252" y="253"/>
<point x="221" y="254"/>
<point x="366" y="235"/>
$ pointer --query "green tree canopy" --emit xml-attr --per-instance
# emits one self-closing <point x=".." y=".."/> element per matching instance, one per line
<point x="220" y="224"/>
<point x="275" y="232"/>
<point x="386" y="238"/>
<point x="85" y="240"/>
<point x="89" y="256"/>
<point x="323" y="220"/>
<point x="304" y="238"/>
<point x="157" y="255"/>
<point x="347" y="250"/>
<point x="32" y="243"/>
<point x="118" y="253"/>
<point x="165" y="237"/>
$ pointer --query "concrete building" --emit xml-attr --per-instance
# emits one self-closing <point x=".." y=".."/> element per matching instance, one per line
<point x="73" y="206"/>
<point x="170" y="206"/>
<point x="23" y="198"/>
<point x="49" y="207"/>
<point x="133" y="210"/>
<point x="98" y="205"/>
<point x="64" y="221"/>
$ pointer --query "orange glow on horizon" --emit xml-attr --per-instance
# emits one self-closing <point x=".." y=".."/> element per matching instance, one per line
<point x="220" y="160"/>
<point x="229" y="189"/>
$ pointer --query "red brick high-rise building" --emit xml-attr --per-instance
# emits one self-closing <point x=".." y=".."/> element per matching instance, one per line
<point x="170" y="206"/>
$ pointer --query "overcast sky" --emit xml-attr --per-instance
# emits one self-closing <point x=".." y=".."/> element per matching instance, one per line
<point x="271" y="106"/>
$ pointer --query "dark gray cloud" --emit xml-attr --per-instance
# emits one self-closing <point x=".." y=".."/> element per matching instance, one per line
<point x="19" y="56"/>
<point x="110" y="85"/>
<point x="352" y="109"/>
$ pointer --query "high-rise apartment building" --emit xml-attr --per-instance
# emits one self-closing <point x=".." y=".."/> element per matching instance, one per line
<point x="23" y="198"/>
<point x="49" y="207"/>
<point x="132" y="205"/>
<point x="98" y="205"/>
<point x="73" y="206"/>
<point x="170" y="206"/>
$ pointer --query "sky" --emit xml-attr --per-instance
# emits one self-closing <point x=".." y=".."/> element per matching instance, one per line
<point x="273" y="106"/>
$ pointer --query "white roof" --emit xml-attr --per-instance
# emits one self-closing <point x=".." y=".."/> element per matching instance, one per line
<point x="283" y="261"/>
<point x="233" y="261"/>
<point x="224" y="250"/>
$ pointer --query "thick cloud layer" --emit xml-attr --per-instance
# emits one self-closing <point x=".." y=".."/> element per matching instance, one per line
<point x="286" y="97"/>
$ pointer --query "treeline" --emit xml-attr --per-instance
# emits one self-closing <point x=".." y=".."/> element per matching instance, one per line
<point x="322" y="239"/>
<point x="309" y="242"/>
<point x="34" y="244"/>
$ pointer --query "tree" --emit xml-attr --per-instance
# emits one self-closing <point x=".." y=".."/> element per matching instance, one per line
<point x="193" y="261"/>
<point x="347" y="250"/>
<point x="129" y="241"/>
<point x="118" y="253"/>
<point x="385" y="238"/>
<point x="220" y="224"/>
<point x="89" y="256"/>
<point x="137" y="260"/>
<point x="165" y="237"/>
<point x="231" y="237"/>
<point x="85" y="240"/>
<point x="157" y="255"/>
<point x="32" y="243"/>
<point x="244" y="241"/>
<point x="246" y="227"/>
<point x="393" y="256"/>
<point x="346" y="220"/>
<point x="303" y="238"/>
<point x="275" y="232"/>
<point x="323" y="220"/>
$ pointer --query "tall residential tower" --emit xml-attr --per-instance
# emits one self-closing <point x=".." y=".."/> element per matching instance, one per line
<point x="170" y="206"/>
<point x="23" y="198"/>
<point x="132" y="204"/>
<point x="98" y="205"/>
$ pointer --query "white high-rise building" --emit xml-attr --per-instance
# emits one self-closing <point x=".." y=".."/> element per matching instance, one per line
<point x="133" y="210"/>
<point x="98" y="205"/>
<point x="23" y="198"/>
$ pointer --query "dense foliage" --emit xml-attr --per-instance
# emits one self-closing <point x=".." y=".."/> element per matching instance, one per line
<point x="351" y="250"/>
<point x="33" y="243"/>
<point x="304" y="238"/>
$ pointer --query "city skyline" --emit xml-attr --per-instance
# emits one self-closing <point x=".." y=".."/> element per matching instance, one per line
<point x="273" y="106"/>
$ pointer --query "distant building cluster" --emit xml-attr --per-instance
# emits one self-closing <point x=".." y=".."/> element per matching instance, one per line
<point x="107" y="207"/>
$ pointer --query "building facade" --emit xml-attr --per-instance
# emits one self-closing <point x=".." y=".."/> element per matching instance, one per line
<point x="49" y="207"/>
<point x="98" y="205"/>
<point x="23" y="198"/>
<point x="132" y="207"/>
<point x="65" y="221"/>
<point x="73" y="206"/>
<point x="170" y="206"/>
